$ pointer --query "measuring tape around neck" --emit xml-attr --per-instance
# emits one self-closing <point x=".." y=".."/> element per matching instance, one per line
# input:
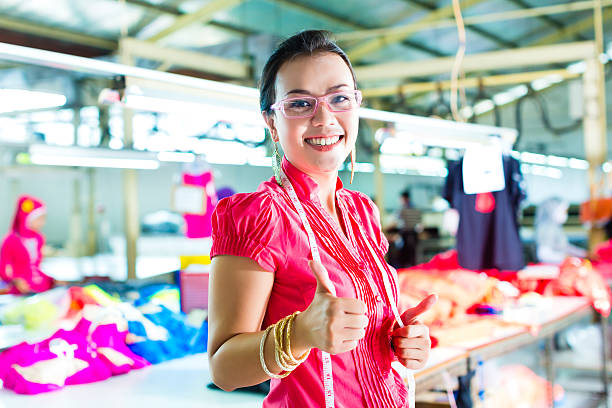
<point x="328" y="384"/>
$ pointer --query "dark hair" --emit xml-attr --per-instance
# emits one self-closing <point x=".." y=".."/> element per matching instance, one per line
<point x="405" y="194"/>
<point x="309" y="42"/>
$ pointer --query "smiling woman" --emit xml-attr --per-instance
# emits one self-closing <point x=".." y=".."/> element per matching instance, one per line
<point x="298" y="269"/>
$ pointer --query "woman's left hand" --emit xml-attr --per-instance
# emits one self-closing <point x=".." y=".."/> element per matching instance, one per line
<point x="411" y="343"/>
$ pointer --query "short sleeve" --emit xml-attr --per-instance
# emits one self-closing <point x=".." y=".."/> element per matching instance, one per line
<point x="374" y="223"/>
<point x="248" y="225"/>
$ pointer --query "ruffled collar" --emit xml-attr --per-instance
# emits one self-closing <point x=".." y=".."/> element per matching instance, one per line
<point x="305" y="187"/>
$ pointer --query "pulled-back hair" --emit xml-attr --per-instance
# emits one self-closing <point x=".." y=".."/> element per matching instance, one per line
<point x="309" y="42"/>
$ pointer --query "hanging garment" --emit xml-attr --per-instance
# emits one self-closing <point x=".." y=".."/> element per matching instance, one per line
<point x="199" y="225"/>
<point x="488" y="235"/>
<point x="21" y="252"/>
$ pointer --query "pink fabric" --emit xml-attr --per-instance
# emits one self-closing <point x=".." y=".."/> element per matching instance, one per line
<point x="265" y="227"/>
<point x="21" y="251"/>
<point x="199" y="225"/>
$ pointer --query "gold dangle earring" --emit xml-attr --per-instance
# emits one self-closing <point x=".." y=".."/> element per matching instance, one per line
<point x="352" y="165"/>
<point x="276" y="165"/>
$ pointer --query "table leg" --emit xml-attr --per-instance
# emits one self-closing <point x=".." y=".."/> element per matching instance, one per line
<point x="604" y="358"/>
<point x="550" y="369"/>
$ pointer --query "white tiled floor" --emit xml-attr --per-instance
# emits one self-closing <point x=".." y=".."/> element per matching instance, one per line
<point x="178" y="383"/>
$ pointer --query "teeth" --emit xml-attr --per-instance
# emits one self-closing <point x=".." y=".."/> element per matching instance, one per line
<point x="323" y="141"/>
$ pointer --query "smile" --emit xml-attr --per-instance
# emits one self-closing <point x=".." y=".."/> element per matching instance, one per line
<point x="323" y="141"/>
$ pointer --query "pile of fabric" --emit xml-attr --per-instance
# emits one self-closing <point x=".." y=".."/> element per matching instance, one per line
<point x="462" y="291"/>
<point x="94" y="336"/>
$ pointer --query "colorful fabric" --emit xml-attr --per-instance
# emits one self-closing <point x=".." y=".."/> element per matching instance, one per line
<point x="166" y="337"/>
<point x="21" y="251"/>
<point x="265" y="227"/>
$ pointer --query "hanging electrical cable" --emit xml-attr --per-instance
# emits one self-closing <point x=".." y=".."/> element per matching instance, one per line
<point x="482" y="96"/>
<point x="440" y="108"/>
<point x="457" y="72"/>
<point x="545" y="117"/>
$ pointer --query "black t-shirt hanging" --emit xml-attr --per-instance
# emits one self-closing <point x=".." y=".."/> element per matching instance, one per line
<point x="488" y="235"/>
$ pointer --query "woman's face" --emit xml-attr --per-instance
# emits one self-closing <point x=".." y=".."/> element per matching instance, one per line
<point x="316" y="75"/>
<point x="37" y="223"/>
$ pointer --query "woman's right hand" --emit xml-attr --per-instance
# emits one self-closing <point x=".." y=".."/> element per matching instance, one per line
<point x="332" y="324"/>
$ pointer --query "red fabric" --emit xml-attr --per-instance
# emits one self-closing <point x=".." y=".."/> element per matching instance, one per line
<point x="21" y="251"/>
<point x="578" y="277"/>
<point x="265" y="227"/>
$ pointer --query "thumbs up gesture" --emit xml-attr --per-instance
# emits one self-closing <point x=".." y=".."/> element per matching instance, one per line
<point x="332" y="324"/>
<point x="411" y="343"/>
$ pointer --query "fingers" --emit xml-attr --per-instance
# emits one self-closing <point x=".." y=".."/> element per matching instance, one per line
<point x="413" y="330"/>
<point x="412" y="364"/>
<point x="324" y="284"/>
<point x="411" y="314"/>
<point x="419" y="343"/>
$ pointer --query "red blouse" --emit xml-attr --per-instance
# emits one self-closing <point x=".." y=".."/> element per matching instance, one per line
<point x="265" y="227"/>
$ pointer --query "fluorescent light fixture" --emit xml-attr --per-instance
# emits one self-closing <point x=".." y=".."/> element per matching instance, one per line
<point x="545" y="171"/>
<point x="92" y="66"/>
<point x="179" y="157"/>
<point x="483" y="106"/>
<point x="431" y="127"/>
<point x="578" y="164"/>
<point x="606" y="167"/>
<point x="166" y="105"/>
<point x="91" y="157"/>
<point x="557" y="161"/>
<point x="577" y="67"/>
<point x="545" y="82"/>
<point x="15" y="100"/>
<point x="534" y="158"/>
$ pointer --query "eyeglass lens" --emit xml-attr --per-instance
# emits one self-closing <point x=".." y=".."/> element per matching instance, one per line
<point x="305" y="106"/>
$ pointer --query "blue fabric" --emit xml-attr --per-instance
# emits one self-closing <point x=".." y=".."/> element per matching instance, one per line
<point x="488" y="240"/>
<point x="183" y="339"/>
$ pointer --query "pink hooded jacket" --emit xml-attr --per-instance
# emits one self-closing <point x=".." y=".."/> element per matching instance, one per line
<point x="21" y="251"/>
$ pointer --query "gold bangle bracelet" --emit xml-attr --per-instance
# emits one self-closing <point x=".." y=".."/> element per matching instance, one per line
<point x="262" y="359"/>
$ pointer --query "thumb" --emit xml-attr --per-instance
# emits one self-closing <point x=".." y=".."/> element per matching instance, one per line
<point x="324" y="284"/>
<point x="411" y="314"/>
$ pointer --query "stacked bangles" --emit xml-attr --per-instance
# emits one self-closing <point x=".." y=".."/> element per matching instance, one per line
<point x="282" y="347"/>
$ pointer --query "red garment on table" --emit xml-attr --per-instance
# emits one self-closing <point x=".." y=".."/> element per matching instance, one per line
<point x="21" y="251"/>
<point x="577" y="277"/>
<point x="265" y="227"/>
<point x="200" y="225"/>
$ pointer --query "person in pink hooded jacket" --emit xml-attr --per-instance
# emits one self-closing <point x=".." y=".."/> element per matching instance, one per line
<point x="21" y="251"/>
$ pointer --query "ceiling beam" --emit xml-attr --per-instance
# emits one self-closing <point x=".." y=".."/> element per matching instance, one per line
<point x="483" y="33"/>
<point x="522" y="57"/>
<point x="413" y="27"/>
<point x="358" y="52"/>
<point x="571" y="30"/>
<point x="173" y="11"/>
<point x="342" y="20"/>
<point x="202" y="15"/>
<point x="546" y="19"/>
<point x="60" y="34"/>
<point x="223" y="67"/>
<point x="487" y="81"/>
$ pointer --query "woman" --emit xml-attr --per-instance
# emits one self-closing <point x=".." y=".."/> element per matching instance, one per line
<point x="552" y="245"/>
<point x="21" y="251"/>
<point x="263" y="269"/>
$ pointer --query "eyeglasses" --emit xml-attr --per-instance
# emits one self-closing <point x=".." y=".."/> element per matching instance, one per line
<point x="306" y="106"/>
